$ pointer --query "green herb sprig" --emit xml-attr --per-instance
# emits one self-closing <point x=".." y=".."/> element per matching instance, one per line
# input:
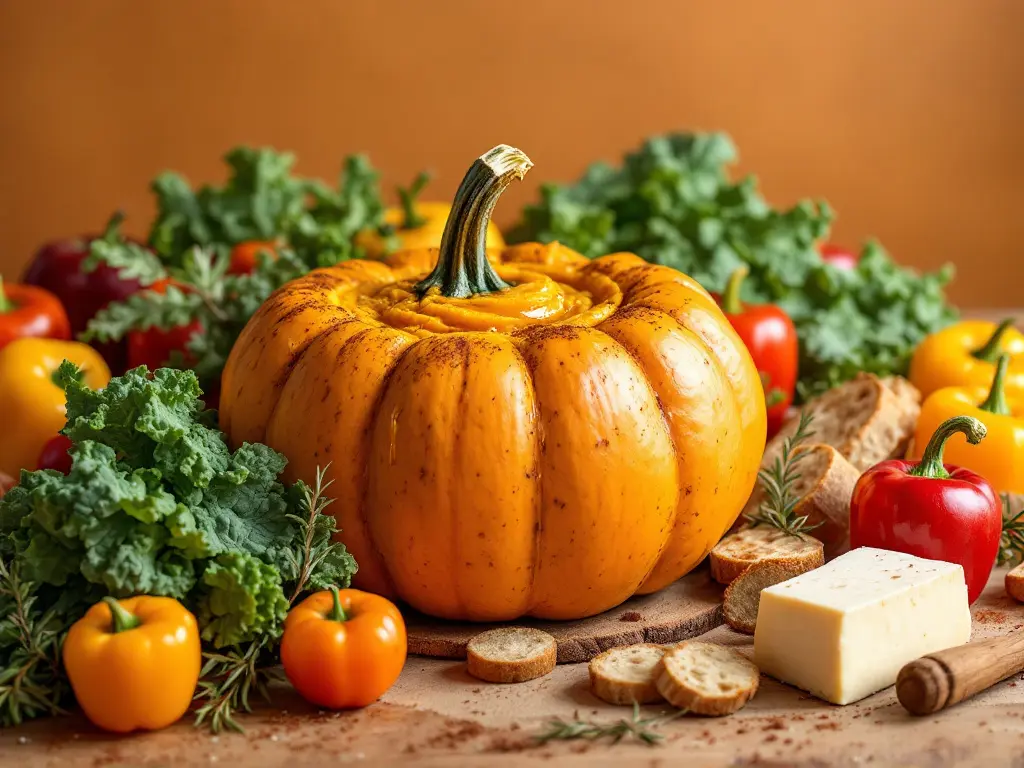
<point x="778" y="508"/>
<point x="1011" y="544"/>
<point x="641" y="729"/>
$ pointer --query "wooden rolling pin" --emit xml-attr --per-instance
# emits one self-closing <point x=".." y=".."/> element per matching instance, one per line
<point x="943" y="679"/>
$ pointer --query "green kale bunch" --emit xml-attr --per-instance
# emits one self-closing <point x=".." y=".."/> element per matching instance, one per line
<point x="673" y="203"/>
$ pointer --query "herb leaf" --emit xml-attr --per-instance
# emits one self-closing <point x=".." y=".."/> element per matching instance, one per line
<point x="778" y="507"/>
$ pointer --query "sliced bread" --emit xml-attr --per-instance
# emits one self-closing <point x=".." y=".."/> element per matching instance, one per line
<point x="738" y="551"/>
<point x="1015" y="583"/>
<point x="511" y="655"/>
<point x="743" y="596"/>
<point x="864" y="419"/>
<point x="824" y="487"/>
<point x="626" y="675"/>
<point x="706" y="679"/>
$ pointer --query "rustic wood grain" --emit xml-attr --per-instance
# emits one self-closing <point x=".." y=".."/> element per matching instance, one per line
<point x="690" y="607"/>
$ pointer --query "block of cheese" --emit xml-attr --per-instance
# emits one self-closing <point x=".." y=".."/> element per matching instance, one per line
<point x="843" y="631"/>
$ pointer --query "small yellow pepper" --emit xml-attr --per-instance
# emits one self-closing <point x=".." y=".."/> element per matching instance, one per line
<point x="31" y="402"/>
<point x="414" y="225"/>
<point x="134" y="664"/>
<point x="1000" y="457"/>
<point x="965" y="355"/>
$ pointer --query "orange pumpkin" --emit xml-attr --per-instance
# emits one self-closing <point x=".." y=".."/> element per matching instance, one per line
<point x="525" y="432"/>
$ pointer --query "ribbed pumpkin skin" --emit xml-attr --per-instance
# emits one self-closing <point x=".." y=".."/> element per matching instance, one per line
<point x="488" y="464"/>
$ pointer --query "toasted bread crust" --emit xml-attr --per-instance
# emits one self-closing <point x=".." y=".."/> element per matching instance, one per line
<point x="738" y="551"/>
<point x="743" y="596"/>
<point x="696" y="693"/>
<point x="1015" y="583"/>
<point x="497" y="656"/>
<point x="626" y="675"/>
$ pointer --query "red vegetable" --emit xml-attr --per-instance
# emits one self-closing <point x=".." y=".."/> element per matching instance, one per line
<point x="245" y="255"/>
<point x="28" y="311"/>
<point x="55" y="455"/>
<point x="153" y="347"/>
<point x="931" y="510"/>
<point x="770" y="337"/>
<point x="57" y="268"/>
<point x="838" y="256"/>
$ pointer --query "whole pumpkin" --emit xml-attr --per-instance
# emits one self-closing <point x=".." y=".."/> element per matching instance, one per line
<point x="522" y="433"/>
<point x="413" y="224"/>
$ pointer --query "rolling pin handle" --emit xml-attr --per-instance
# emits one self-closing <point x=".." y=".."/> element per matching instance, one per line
<point x="924" y="687"/>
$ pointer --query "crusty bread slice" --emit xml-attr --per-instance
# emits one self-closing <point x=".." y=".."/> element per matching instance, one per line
<point x="743" y="596"/>
<point x="863" y="419"/>
<point x="511" y="654"/>
<point x="738" y="551"/>
<point x="1015" y="583"/>
<point x="909" y="398"/>
<point x="706" y="679"/>
<point x="626" y="675"/>
<point x="824" y="487"/>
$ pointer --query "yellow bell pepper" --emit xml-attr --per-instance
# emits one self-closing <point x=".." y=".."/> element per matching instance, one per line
<point x="965" y="355"/>
<point x="134" y="664"/>
<point x="414" y="225"/>
<point x="31" y="402"/>
<point x="1000" y="457"/>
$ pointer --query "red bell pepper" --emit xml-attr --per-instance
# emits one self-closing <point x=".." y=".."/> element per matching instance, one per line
<point x="930" y="509"/>
<point x="57" y="267"/>
<point x="770" y="337"/>
<point x="55" y="455"/>
<point x="153" y="346"/>
<point x="26" y="310"/>
<point x="838" y="256"/>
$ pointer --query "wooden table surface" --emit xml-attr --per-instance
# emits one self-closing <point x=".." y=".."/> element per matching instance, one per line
<point x="437" y="715"/>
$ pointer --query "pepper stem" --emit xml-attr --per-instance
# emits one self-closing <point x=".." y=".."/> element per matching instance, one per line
<point x="996" y="400"/>
<point x="112" y="232"/>
<point x="6" y="305"/>
<point x="411" y="218"/>
<point x="462" y="268"/>
<point x="931" y="462"/>
<point x="337" y="612"/>
<point x="989" y="351"/>
<point x="122" y="619"/>
<point x="731" y="303"/>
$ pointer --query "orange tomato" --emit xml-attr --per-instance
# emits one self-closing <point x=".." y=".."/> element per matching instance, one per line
<point x="343" y="649"/>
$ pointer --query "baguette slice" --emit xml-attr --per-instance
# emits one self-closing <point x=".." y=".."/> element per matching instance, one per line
<point x="1015" y="583"/>
<point x="743" y="596"/>
<point x="864" y="419"/>
<point x="626" y="675"/>
<point x="824" y="487"/>
<point x="511" y="654"/>
<point x="738" y="551"/>
<point x="706" y="679"/>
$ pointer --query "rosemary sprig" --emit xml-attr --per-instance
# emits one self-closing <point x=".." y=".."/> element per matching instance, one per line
<point x="777" y="509"/>
<point x="1011" y="545"/>
<point x="229" y="677"/>
<point x="639" y="728"/>
<point x="312" y="554"/>
<point x="31" y="682"/>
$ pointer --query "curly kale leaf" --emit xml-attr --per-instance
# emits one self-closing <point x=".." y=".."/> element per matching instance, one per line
<point x="242" y="599"/>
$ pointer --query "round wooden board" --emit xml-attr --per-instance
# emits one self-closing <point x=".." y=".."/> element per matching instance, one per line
<point x="690" y="607"/>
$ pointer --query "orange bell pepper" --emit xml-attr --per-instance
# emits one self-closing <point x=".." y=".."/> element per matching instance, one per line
<point x="245" y="256"/>
<point x="134" y="664"/>
<point x="1000" y="457"/>
<point x="343" y="649"/>
<point x="965" y="355"/>
<point x="31" y="402"/>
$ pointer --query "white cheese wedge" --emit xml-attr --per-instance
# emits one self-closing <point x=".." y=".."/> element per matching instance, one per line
<point x="843" y="631"/>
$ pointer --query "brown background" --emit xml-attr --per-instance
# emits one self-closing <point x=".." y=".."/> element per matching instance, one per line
<point x="907" y="115"/>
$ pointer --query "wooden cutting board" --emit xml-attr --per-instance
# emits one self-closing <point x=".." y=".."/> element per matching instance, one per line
<point x="690" y="607"/>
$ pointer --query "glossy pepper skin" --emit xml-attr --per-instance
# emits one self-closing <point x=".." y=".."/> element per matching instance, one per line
<point x="838" y="256"/>
<point x="770" y="337"/>
<point x="965" y="355"/>
<point x="31" y="402"/>
<point x="134" y="664"/>
<point x="30" y="312"/>
<point x="1000" y="458"/>
<point x="55" y="455"/>
<point x="153" y="347"/>
<point x="931" y="510"/>
<point x="343" y="649"/>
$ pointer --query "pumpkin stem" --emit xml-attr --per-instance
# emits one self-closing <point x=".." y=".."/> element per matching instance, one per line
<point x="462" y="268"/>
<point x="411" y="218"/>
